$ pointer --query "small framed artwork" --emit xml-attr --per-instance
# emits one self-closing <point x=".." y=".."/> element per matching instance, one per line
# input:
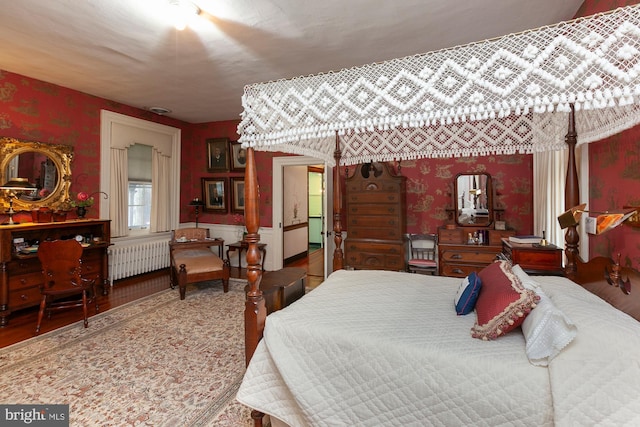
<point x="237" y="194"/>
<point x="218" y="154"/>
<point x="214" y="193"/>
<point x="501" y="225"/>
<point x="238" y="156"/>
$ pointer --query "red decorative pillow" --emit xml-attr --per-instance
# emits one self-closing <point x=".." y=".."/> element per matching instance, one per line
<point x="503" y="302"/>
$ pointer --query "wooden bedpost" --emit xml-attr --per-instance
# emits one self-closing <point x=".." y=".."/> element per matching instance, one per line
<point x="338" y="256"/>
<point x="255" y="311"/>
<point x="571" y="197"/>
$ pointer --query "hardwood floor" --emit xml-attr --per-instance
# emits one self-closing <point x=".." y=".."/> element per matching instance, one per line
<point x="22" y="324"/>
<point x="314" y="264"/>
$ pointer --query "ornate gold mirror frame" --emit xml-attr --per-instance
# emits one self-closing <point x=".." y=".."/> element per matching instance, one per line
<point x="56" y="198"/>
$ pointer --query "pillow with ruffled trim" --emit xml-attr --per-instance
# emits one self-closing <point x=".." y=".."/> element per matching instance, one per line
<point x="467" y="295"/>
<point x="503" y="302"/>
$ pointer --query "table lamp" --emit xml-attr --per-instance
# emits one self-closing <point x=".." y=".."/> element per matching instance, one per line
<point x="13" y="189"/>
<point x="197" y="203"/>
<point x="604" y="222"/>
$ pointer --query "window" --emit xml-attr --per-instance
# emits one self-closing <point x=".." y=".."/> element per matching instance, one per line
<point x="120" y="137"/>
<point x="139" y="205"/>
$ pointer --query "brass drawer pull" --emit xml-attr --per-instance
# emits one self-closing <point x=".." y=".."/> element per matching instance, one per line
<point x="456" y="256"/>
<point x="457" y="271"/>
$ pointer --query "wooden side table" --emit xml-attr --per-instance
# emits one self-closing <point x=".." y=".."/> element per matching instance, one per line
<point x="534" y="259"/>
<point x="282" y="287"/>
<point x="242" y="246"/>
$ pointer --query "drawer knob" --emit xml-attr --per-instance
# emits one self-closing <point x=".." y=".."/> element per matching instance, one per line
<point x="456" y="256"/>
<point x="457" y="271"/>
<point x="23" y="281"/>
<point x="23" y="297"/>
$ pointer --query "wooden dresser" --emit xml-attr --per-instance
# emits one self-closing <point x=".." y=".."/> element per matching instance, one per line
<point x="21" y="272"/>
<point x="376" y="225"/>
<point x="536" y="259"/>
<point x="456" y="258"/>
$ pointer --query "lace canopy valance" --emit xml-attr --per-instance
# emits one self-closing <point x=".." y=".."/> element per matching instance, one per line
<point x="504" y="95"/>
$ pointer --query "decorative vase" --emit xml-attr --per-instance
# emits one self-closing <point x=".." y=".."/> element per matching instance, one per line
<point x="81" y="211"/>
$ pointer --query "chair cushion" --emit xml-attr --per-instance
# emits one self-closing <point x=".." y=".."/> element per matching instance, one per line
<point x="422" y="262"/>
<point x="191" y="233"/>
<point x="197" y="260"/>
<point x="503" y="302"/>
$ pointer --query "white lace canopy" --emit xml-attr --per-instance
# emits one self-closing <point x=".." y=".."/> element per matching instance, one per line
<point x="505" y="95"/>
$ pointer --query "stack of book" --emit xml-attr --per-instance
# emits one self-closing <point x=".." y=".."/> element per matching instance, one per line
<point x="525" y="239"/>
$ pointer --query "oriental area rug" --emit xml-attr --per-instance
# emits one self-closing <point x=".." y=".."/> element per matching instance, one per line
<point x="157" y="361"/>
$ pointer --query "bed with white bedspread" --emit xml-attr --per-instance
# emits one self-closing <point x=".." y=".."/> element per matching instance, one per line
<point x="373" y="348"/>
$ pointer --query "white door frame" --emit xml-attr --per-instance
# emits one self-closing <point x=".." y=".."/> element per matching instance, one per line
<point x="279" y="163"/>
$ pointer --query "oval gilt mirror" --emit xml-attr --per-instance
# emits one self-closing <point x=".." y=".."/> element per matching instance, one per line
<point x="46" y="167"/>
<point x="473" y="199"/>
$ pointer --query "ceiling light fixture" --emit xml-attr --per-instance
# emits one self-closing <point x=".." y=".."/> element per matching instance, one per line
<point x="182" y="13"/>
<point x="161" y="111"/>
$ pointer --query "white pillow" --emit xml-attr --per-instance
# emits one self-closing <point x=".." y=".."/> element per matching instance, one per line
<point x="547" y="330"/>
<point x="527" y="281"/>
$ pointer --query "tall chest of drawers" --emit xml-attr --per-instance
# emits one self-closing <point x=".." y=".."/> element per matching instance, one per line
<point x="21" y="272"/>
<point x="376" y="225"/>
<point x="456" y="258"/>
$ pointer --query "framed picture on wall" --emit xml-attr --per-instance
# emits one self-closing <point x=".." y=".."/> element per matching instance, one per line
<point x="214" y="194"/>
<point x="218" y="154"/>
<point x="238" y="156"/>
<point x="237" y="195"/>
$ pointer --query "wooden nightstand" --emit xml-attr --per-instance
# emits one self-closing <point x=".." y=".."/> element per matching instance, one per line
<point x="282" y="287"/>
<point x="534" y="259"/>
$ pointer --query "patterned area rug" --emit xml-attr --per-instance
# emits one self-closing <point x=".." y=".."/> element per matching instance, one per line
<point x="157" y="361"/>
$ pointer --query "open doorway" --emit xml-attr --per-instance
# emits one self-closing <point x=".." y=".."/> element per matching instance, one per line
<point x="326" y="252"/>
<point x="303" y="219"/>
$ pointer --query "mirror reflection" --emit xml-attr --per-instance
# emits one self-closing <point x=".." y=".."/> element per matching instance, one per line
<point x="473" y="199"/>
<point x="38" y="169"/>
<point x="45" y="167"/>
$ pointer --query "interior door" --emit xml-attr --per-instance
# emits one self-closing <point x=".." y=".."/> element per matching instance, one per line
<point x="327" y="223"/>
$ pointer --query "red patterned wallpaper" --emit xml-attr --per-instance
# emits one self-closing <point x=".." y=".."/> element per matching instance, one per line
<point x="194" y="162"/>
<point x="430" y="183"/>
<point x="39" y="111"/>
<point x="33" y="110"/>
<point x="614" y="179"/>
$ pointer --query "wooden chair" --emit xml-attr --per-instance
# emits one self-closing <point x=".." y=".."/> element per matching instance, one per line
<point x="192" y="260"/>
<point x="423" y="254"/>
<point x="62" y="268"/>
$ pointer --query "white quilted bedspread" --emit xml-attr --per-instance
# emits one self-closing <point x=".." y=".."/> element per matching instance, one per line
<point x="387" y="349"/>
<point x="596" y="379"/>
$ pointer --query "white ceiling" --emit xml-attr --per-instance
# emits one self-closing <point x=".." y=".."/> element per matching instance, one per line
<point x="126" y="51"/>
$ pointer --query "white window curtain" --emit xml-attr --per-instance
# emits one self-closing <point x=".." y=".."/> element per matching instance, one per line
<point x="119" y="197"/>
<point x="160" y="195"/>
<point x="549" y="172"/>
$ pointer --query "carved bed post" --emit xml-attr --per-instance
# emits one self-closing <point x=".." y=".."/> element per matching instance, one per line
<point x="571" y="197"/>
<point x="255" y="311"/>
<point x="338" y="256"/>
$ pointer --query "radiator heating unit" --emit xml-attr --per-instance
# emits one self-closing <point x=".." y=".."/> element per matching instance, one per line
<point x="130" y="259"/>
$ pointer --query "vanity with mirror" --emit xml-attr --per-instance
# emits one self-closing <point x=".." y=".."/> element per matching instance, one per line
<point x="469" y="241"/>
<point x="35" y="176"/>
